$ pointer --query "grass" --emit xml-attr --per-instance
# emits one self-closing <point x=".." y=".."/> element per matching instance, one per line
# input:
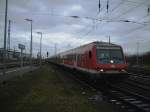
<point x="44" y="90"/>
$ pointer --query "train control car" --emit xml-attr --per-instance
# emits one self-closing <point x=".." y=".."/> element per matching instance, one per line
<point x="96" y="59"/>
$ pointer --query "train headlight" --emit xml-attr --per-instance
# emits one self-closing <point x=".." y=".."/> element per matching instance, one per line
<point x="111" y="61"/>
<point x="101" y="70"/>
<point x="123" y="70"/>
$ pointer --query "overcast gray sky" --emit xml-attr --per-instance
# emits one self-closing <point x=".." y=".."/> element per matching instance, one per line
<point x="52" y="18"/>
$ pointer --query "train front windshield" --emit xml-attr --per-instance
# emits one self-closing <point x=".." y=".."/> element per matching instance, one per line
<point x="106" y="56"/>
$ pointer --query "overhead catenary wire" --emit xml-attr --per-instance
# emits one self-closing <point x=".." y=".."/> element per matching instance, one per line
<point x="116" y="7"/>
<point x="141" y="27"/>
<point x="138" y="4"/>
<point x="128" y="11"/>
<point x="103" y="20"/>
<point x="146" y="23"/>
<point x="118" y="20"/>
<point x="52" y="14"/>
<point x="94" y="19"/>
<point x="93" y="25"/>
<point x="93" y="28"/>
<point x="107" y="11"/>
<point x="132" y="9"/>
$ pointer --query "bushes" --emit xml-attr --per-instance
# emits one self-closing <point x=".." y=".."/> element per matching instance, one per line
<point x="143" y="59"/>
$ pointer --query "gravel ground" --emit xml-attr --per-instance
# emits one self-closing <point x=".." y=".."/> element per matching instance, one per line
<point x="12" y="72"/>
<point x="47" y="90"/>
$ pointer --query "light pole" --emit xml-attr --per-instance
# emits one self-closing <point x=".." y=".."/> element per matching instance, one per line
<point x="55" y="49"/>
<point x="40" y="47"/>
<point x="109" y="39"/>
<point x="5" y="36"/>
<point x="8" y="39"/>
<point x="137" y="58"/>
<point x="29" y="20"/>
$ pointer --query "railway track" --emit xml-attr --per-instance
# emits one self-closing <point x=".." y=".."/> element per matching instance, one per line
<point x="127" y="96"/>
<point x="134" y="92"/>
<point x="142" y="79"/>
<point x="138" y="80"/>
<point x="11" y="65"/>
<point x="139" y="71"/>
<point x="15" y="64"/>
<point x="128" y="101"/>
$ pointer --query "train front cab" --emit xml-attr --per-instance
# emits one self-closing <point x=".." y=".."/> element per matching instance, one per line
<point x="109" y="63"/>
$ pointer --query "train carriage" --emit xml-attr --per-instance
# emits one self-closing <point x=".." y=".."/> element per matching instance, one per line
<point x="99" y="59"/>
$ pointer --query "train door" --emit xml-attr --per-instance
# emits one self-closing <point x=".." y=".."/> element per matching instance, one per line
<point x="82" y="60"/>
<point x="86" y="60"/>
<point x="89" y="59"/>
<point x="75" y="60"/>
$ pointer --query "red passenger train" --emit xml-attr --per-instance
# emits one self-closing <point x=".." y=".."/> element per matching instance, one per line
<point x="100" y="59"/>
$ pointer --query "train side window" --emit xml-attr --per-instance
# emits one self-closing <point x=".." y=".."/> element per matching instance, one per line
<point x="90" y="54"/>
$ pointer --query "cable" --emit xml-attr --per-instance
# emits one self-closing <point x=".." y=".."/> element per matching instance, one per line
<point x="132" y="2"/>
<point x="131" y="9"/>
<point x="120" y="16"/>
<point x="140" y="27"/>
<point x="87" y="33"/>
<point x="122" y="2"/>
<point x="108" y="7"/>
